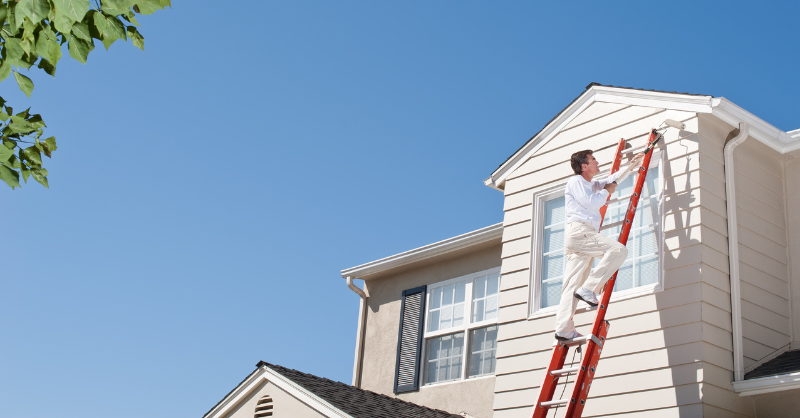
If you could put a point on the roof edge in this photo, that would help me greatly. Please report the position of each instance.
(597, 93)
(249, 384)
(777, 383)
(469, 239)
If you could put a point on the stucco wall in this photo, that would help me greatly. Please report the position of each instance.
(778, 405)
(474, 396)
(284, 405)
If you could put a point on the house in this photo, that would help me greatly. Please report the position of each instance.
(705, 315)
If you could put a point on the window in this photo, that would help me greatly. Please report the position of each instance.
(460, 336)
(641, 270)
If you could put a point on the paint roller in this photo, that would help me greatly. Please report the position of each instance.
(670, 124)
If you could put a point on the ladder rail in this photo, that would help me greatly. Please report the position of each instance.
(583, 381)
(548, 388)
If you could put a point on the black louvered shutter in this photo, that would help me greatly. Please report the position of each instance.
(409, 340)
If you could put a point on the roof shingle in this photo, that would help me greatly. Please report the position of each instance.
(785, 363)
(358, 403)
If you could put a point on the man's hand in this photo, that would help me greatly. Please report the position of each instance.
(636, 159)
(611, 187)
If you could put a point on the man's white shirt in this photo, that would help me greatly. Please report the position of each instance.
(583, 199)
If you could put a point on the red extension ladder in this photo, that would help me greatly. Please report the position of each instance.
(595, 340)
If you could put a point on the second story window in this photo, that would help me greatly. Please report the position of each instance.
(460, 327)
(641, 270)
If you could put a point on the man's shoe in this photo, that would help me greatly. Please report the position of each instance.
(587, 296)
(569, 335)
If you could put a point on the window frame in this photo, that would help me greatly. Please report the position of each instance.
(465, 328)
(537, 234)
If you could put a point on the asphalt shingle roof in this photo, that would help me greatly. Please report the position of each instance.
(356, 402)
(785, 363)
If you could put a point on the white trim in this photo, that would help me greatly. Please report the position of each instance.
(733, 251)
(456, 243)
(296, 391)
(720, 107)
(767, 384)
(465, 328)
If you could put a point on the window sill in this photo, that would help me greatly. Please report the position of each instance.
(583, 307)
(450, 382)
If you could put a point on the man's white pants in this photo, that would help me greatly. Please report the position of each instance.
(582, 244)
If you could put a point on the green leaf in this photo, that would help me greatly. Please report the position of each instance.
(13, 51)
(3, 14)
(97, 23)
(47, 67)
(81, 30)
(74, 10)
(5, 70)
(32, 154)
(11, 177)
(14, 162)
(136, 37)
(35, 10)
(5, 154)
(14, 22)
(79, 49)
(26, 172)
(22, 127)
(114, 30)
(25, 83)
(148, 7)
(116, 7)
(131, 17)
(51, 143)
(36, 121)
(39, 175)
(4, 116)
(48, 47)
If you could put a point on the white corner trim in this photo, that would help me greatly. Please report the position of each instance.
(767, 384)
(469, 239)
(296, 391)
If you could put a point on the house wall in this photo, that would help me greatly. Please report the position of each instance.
(668, 353)
(792, 176)
(284, 404)
(474, 396)
(778, 405)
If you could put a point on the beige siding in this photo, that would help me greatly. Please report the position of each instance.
(652, 363)
(763, 257)
(792, 185)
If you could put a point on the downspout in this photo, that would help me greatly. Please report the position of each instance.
(733, 250)
(362, 319)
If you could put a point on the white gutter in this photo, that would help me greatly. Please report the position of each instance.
(362, 320)
(767, 384)
(733, 251)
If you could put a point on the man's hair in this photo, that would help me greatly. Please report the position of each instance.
(579, 158)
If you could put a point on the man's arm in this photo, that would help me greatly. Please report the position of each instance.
(587, 199)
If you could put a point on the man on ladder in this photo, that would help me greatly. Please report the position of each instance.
(584, 197)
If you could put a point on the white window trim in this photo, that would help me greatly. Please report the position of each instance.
(534, 296)
(466, 328)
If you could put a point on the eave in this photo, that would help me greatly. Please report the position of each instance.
(450, 245)
(720, 107)
(767, 384)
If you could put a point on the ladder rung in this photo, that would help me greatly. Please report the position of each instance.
(563, 372)
(550, 404)
(579, 341)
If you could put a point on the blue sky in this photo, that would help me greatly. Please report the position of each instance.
(207, 192)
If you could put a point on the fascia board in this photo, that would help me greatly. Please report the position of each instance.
(767, 384)
(293, 389)
(422, 253)
(676, 101)
(761, 130)
(497, 178)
